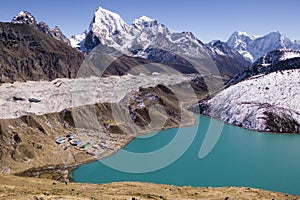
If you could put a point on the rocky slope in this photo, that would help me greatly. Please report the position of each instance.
(28, 188)
(25, 17)
(28, 54)
(263, 103)
(281, 59)
(98, 63)
(253, 47)
(104, 113)
(147, 38)
(225, 56)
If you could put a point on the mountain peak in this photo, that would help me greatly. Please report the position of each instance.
(244, 34)
(275, 33)
(104, 12)
(145, 22)
(24, 17)
(106, 23)
(240, 33)
(145, 19)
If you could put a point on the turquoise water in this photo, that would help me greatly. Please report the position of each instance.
(239, 158)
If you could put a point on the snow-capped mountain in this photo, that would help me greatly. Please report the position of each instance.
(110, 30)
(265, 103)
(150, 39)
(25, 17)
(253, 47)
(268, 101)
(277, 60)
(226, 56)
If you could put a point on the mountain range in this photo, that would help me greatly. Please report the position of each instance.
(149, 43)
(109, 29)
(262, 71)
(154, 67)
(149, 39)
(253, 47)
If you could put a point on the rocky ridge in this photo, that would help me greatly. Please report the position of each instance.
(28, 54)
(25, 17)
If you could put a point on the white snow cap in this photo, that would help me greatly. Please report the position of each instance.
(289, 54)
(103, 12)
(245, 34)
(143, 22)
(107, 22)
(144, 19)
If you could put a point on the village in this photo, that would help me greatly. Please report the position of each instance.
(94, 143)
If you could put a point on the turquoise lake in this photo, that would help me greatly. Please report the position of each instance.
(239, 158)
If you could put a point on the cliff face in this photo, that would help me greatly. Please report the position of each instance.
(28, 54)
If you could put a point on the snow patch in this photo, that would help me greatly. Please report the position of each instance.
(289, 55)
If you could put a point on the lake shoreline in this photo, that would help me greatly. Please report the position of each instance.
(73, 166)
(226, 148)
(66, 170)
(71, 169)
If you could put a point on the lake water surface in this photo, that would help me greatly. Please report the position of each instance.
(240, 158)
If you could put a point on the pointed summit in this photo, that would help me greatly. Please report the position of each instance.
(142, 19)
(106, 23)
(145, 18)
(145, 22)
(239, 37)
(24, 17)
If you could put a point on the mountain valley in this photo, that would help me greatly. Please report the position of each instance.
(115, 82)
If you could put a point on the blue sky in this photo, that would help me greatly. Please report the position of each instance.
(207, 19)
